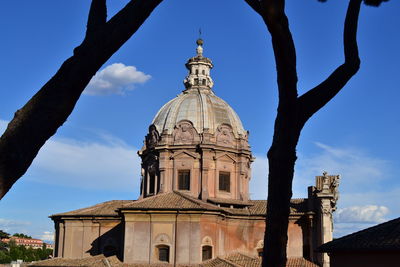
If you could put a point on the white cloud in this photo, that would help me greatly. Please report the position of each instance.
(115, 79)
(362, 214)
(355, 218)
(107, 165)
(355, 167)
(112, 165)
(3, 126)
(259, 178)
(369, 192)
(47, 236)
(13, 226)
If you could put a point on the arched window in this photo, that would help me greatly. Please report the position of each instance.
(163, 253)
(197, 71)
(204, 72)
(206, 252)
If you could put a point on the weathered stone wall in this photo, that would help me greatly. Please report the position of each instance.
(185, 234)
(79, 238)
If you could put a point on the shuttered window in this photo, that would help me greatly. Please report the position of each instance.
(225, 181)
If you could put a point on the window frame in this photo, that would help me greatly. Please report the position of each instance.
(208, 249)
(163, 248)
(225, 185)
(180, 184)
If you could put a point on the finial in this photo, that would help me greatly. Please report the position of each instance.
(199, 48)
(199, 42)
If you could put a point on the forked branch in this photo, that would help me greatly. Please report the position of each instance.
(316, 98)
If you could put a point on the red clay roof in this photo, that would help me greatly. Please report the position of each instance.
(233, 260)
(170, 201)
(180, 201)
(108, 208)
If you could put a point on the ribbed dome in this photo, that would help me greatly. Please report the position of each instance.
(201, 107)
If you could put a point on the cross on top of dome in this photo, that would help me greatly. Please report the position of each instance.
(199, 70)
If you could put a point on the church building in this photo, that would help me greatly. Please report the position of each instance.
(194, 205)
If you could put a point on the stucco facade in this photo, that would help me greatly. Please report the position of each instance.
(194, 203)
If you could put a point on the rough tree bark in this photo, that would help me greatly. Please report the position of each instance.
(49, 108)
(292, 114)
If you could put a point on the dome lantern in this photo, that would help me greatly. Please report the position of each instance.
(199, 70)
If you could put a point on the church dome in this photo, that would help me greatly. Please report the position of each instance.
(204, 109)
(198, 103)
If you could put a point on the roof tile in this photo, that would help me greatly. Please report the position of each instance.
(383, 237)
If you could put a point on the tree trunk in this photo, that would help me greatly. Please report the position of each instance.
(293, 113)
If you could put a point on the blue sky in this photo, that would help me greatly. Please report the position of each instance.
(92, 158)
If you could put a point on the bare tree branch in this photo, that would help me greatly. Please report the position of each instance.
(97, 16)
(255, 5)
(316, 98)
(275, 18)
(50, 107)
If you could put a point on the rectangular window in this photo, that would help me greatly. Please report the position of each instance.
(206, 253)
(184, 180)
(152, 183)
(163, 253)
(225, 181)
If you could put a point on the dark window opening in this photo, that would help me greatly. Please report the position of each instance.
(225, 181)
(163, 253)
(204, 72)
(152, 183)
(184, 180)
(197, 71)
(260, 252)
(206, 253)
(204, 81)
(196, 81)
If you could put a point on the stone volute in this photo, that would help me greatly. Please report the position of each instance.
(196, 142)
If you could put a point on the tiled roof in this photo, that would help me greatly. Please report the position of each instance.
(218, 262)
(95, 261)
(382, 237)
(244, 260)
(170, 201)
(299, 262)
(229, 201)
(233, 260)
(108, 208)
(298, 206)
(180, 201)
